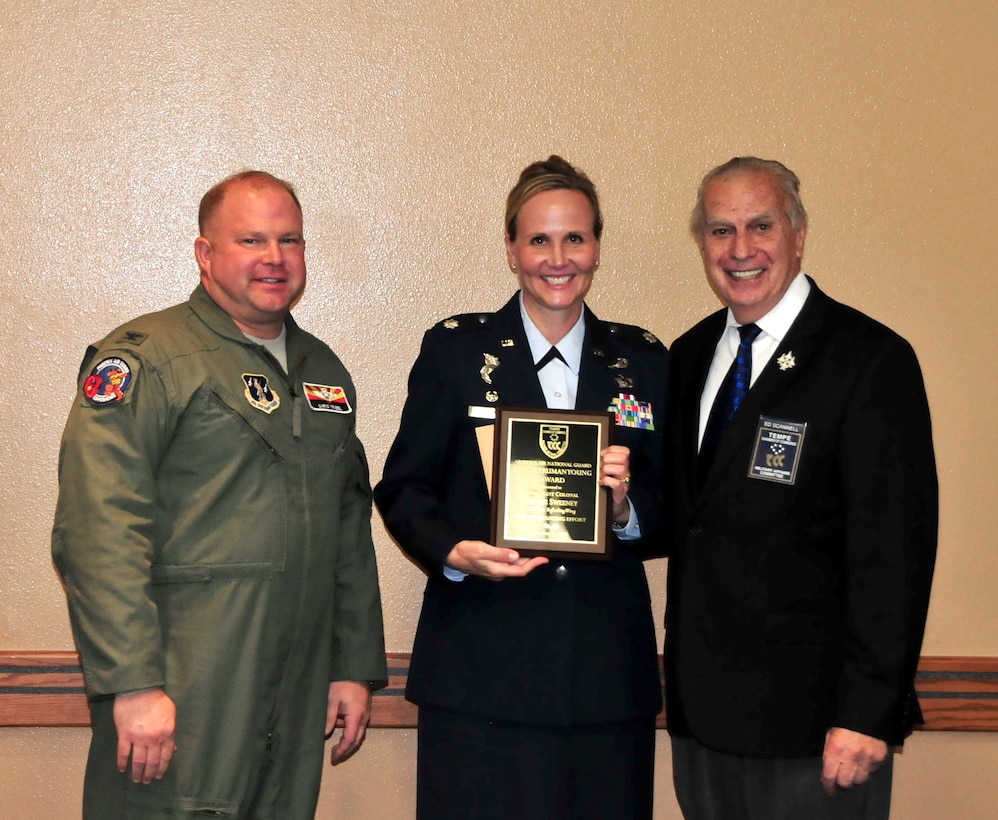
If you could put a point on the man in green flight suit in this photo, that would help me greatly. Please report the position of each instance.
(213, 534)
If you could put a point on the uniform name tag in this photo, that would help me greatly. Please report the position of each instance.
(326, 398)
(777, 450)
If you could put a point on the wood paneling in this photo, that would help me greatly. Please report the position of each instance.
(46, 689)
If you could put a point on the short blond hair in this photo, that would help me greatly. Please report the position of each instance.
(551, 174)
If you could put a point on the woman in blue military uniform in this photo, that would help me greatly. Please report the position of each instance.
(538, 694)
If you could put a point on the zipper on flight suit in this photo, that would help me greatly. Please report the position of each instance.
(289, 382)
(296, 400)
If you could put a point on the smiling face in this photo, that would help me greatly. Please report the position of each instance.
(554, 255)
(252, 256)
(751, 253)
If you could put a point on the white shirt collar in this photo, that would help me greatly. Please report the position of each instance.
(570, 345)
(777, 322)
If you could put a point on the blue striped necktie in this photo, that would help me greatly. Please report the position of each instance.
(730, 396)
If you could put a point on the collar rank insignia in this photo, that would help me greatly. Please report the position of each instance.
(325, 398)
(650, 337)
(259, 394)
(629, 412)
(450, 324)
(108, 381)
(492, 396)
(507, 343)
(786, 361)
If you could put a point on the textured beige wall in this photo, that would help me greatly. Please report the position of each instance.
(404, 124)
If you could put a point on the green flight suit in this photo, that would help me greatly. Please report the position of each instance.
(213, 533)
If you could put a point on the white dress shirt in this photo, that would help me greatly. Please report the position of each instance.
(774, 326)
(559, 379)
(560, 384)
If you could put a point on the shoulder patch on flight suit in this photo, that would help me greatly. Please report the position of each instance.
(108, 382)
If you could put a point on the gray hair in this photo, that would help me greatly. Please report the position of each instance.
(753, 165)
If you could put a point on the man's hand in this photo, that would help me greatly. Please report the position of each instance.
(615, 473)
(146, 723)
(350, 700)
(493, 563)
(849, 758)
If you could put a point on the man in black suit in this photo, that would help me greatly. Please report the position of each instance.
(804, 519)
(537, 680)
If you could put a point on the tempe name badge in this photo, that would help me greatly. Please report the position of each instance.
(776, 454)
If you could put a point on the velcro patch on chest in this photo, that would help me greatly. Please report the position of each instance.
(259, 393)
(326, 398)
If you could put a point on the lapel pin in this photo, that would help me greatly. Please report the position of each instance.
(786, 361)
(492, 396)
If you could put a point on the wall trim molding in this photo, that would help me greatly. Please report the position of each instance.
(40, 688)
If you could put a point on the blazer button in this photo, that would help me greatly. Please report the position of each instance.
(561, 572)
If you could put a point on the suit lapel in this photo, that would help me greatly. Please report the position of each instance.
(686, 389)
(515, 379)
(597, 382)
(786, 366)
(605, 371)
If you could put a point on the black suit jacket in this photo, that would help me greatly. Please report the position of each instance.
(540, 649)
(795, 608)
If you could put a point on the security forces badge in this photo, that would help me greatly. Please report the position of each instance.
(259, 393)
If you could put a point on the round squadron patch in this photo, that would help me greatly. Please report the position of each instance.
(108, 381)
